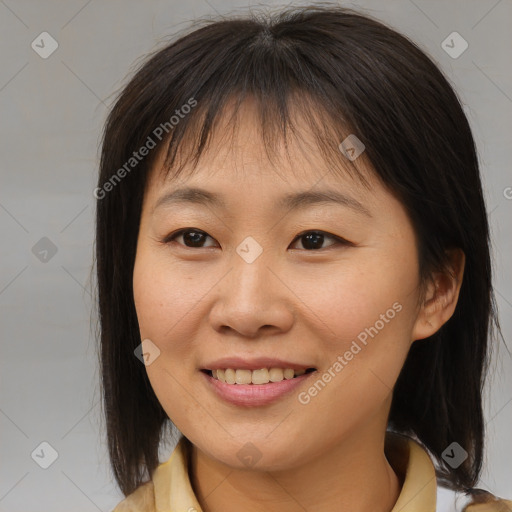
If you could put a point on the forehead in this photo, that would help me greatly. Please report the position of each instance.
(238, 155)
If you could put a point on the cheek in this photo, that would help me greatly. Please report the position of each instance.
(366, 293)
(364, 315)
(164, 298)
(363, 350)
(165, 301)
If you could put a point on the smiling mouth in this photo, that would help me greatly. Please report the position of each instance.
(255, 377)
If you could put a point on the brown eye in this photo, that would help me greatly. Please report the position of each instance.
(191, 237)
(313, 240)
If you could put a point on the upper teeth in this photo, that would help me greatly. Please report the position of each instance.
(261, 376)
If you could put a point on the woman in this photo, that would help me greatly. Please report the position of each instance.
(294, 274)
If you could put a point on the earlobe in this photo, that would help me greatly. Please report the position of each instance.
(441, 296)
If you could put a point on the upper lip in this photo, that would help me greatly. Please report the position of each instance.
(257, 363)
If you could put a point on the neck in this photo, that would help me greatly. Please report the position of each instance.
(353, 475)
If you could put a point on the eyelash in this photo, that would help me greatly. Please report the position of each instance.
(339, 241)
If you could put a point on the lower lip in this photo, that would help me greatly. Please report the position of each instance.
(254, 395)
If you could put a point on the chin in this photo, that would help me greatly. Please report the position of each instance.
(255, 452)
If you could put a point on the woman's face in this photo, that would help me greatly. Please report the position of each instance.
(249, 287)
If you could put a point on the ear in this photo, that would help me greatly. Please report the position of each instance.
(441, 297)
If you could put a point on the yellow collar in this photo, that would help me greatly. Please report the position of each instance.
(418, 476)
(173, 491)
(170, 489)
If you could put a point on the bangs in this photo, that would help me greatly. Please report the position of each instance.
(293, 118)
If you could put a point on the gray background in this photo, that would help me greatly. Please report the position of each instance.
(51, 113)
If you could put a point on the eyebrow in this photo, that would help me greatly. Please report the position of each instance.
(296, 201)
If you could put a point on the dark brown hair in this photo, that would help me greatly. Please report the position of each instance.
(363, 78)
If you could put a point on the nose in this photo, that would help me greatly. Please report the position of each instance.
(251, 301)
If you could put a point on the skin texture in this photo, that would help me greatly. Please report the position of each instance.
(197, 304)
